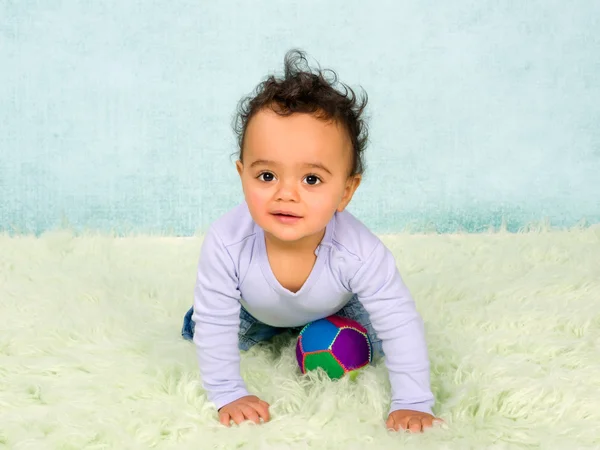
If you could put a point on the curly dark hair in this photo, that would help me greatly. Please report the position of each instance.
(306, 92)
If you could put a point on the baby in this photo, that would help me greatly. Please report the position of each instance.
(291, 253)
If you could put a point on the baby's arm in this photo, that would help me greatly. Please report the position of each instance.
(395, 319)
(216, 314)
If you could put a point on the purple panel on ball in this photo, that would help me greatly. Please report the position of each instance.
(300, 354)
(352, 349)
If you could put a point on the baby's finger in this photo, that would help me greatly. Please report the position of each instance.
(414, 425)
(250, 413)
(264, 404)
(225, 419)
(263, 411)
(237, 416)
(390, 424)
(427, 422)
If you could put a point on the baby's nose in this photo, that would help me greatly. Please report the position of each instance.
(287, 191)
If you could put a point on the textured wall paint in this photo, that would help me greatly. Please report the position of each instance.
(117, 115)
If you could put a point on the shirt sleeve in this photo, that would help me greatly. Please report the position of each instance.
(217, 323)
(396, 321)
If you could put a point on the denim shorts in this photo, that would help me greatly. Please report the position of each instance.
(252, 331)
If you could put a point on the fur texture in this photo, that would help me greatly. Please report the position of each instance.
(91, 355)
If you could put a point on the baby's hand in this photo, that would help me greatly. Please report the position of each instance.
(413, 421)
(245, 408)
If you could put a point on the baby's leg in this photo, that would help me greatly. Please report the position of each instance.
(251, 332)
(187, 330)
(356, 311)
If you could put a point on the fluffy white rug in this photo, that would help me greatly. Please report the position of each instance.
(91, 355)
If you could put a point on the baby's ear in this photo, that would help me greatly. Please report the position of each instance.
(352, 184)
(356, 179)
(240, 167)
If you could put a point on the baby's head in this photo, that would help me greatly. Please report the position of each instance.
(301, 145)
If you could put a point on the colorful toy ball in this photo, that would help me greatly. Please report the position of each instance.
(336, 344)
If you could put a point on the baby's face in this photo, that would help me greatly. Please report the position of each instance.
(295, 173)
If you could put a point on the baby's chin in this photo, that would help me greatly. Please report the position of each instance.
(293, 234)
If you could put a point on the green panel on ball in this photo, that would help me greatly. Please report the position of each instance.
(326, 361)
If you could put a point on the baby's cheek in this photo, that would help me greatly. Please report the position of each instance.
(323, 206)
(257, 201)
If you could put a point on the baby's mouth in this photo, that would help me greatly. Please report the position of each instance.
(286, 217)
(285, 214)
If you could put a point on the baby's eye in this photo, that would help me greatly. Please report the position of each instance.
(266, 176)
(312, 180)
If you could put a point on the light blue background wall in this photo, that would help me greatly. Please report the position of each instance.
(117, 114)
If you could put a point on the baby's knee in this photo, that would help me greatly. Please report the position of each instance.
(376, 351)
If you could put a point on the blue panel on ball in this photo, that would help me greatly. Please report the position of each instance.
(318, 335)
